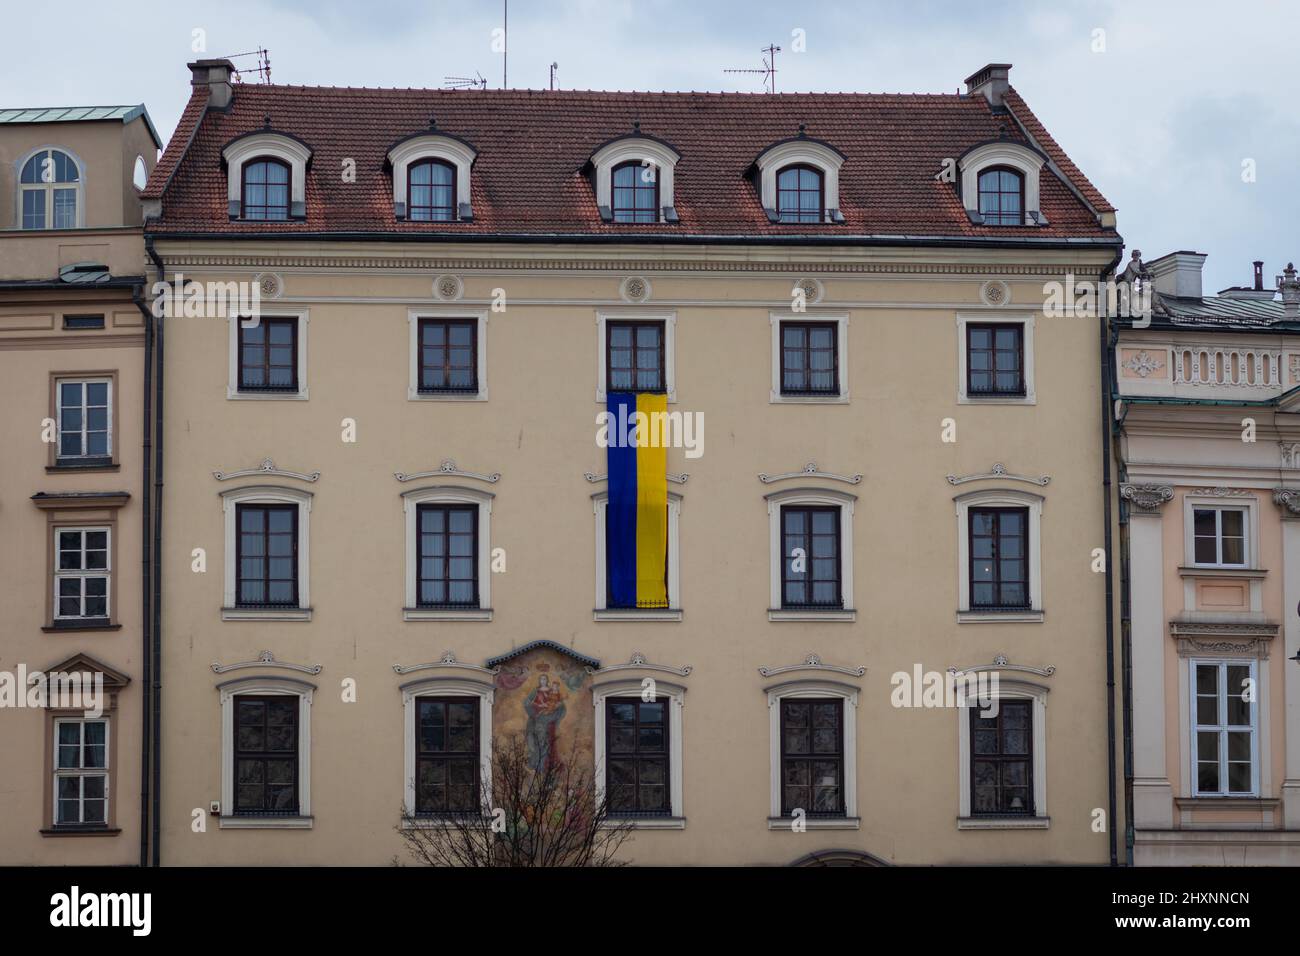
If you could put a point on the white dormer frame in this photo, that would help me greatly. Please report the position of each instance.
(437, 146)
(794, 152)
(1028, 162)
(244, 149)
(643, 150)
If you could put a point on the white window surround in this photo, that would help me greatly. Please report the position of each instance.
(413, 317)
(999, 498)
(452, 494)
(232, 385)
(1028, 162)
(1006, 690)
(800, 151)
(643, 150)
(1256, 751)
(1025, 319)
(812, 688)
(20, 187)
(841, 322)
(675, 695)
(668, 318)
(267, 494)
(810, 496)
(438, 146)
(673, 612)
(1246, 503)
(251, 146)
(263, 686)
(446, 687)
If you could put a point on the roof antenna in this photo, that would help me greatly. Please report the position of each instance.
(263, 68)
(505, 41)
(768, 70)
(475, 82)
(554, 67)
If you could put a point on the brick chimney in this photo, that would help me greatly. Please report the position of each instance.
(215, 75)
(1178, 274)
(990, 82)
(1259, 274)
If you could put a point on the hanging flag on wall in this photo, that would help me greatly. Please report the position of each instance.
(636, 522)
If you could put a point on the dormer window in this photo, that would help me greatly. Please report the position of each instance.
(265, 192)
(799, 194)
(431, 191)
(1002, 197)
(49, 187)
(636, 193)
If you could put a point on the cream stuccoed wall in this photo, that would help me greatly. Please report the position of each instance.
(538, 430)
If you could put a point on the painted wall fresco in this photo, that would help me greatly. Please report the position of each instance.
(545, 697)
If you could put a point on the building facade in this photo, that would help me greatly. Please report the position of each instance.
(73, 482)
(394, 530)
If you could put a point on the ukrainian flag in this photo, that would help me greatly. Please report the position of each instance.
(636, 524)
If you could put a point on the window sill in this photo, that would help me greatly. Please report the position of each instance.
(1000, 617)
(60, 627)
(815, 823)
(266, 614)
(446, 614)
(234, 394)
(777, 398)
(637, 614)
(417, 396)
(438, 823)
(1004, 823)
(1209, 571)
(1228, 801)
(964, 399)
(265, 823)
(811, 614)
(645, 823)
(63, 467)
(79, 831)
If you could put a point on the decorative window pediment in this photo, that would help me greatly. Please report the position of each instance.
(266, 144)
(801, 151)
(655, 160)
(1013, 157)
(443, 151)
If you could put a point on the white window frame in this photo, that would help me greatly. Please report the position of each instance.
(810, 496)
(105, 572)
(999, 498)
(265, 686)
(232, 386)
(667, 317)
(675, 695)
(448, 494)
(49, 188)
(1025, 319)
(1250, 553)
(436, 146)
(480, 316)
(1223, 728)
(446, 687)
(814, 689)
(643, 150)
(58, 414)
(841, 322)
(795, 152)
(275, 146)
(82, 772)
(1022, 159)
(1005, 690)
(267, 494)
(673, 612)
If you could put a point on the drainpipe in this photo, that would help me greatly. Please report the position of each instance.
(1125, 613)
(146, 557)
(156, 650)
(1103, 339)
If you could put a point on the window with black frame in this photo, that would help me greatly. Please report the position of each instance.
(800, 194)
(995, 359)
(635, 193)
(1002, 197)
(448, 356)
(999, 558)
(266, 560)
(1002, 759)
(447, 538)
(809, 358)
(268, 355)
(636, 757)
(812, 757)
(634, 356)
(265, 189)
(266, 755)
(810, 557)
(447, 759)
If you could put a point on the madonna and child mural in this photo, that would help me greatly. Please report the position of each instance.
(543, 696)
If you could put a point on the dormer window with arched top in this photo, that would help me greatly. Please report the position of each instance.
(266, 176)
(431, 177)
(49, 191)
(633, 176)
(799, 181)
(999, 184)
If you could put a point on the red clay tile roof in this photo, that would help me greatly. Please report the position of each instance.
(532, 145)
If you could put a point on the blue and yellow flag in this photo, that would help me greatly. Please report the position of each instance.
(636, 524)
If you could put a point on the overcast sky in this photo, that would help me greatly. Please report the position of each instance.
(1162, 118)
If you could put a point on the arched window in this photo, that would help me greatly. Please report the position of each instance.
(799, 194)
(49, 184)
(266, 189)
(1002, 196)
(636, 193)
(431, 191)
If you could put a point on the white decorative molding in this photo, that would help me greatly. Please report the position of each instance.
(995, 292)
(1146, 497)
(813, 662)
(1144, 363)
(1000, 664)
(448, 287)
(999, 472)
(674, 478)
(809, 470)
(1220, 366)
(269, 285)
(267, 467)
(812, 289)
(635, 289)
(1003, 152)
(265, 659)
(448, 467)
(1290, 453)
(1219, 491)
(639, 661)
(432, 145)
(1289, 499)
(800, 151)
(448, 659)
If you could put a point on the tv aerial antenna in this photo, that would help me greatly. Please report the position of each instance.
(475, 82)
(262, 70)
(769, 67)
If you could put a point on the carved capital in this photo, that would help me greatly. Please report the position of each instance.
(1289, 501)
(1146, 498)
